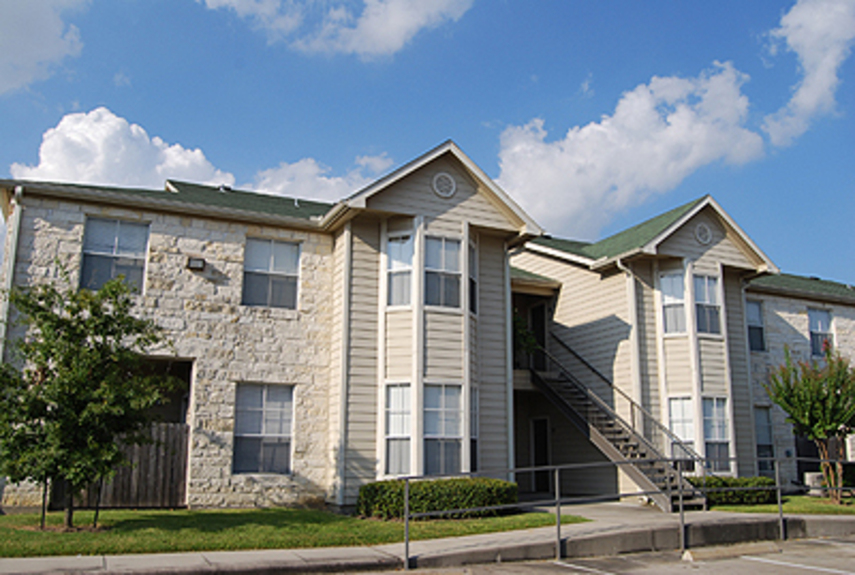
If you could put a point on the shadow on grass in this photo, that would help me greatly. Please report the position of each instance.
(224, 520)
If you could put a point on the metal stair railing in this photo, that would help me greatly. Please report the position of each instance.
(636, 413)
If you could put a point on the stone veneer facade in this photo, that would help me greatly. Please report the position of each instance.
(228, 343)
(786, 327)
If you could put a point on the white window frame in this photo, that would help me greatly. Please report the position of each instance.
(755, 323)
(815, 331)
(707, 302)
(716, 420)
(395, 267)
(272, 274)
(681, 422)
(765, 450)
(265, 412)
(448, 418)
(444, 272)
(401, 432)
(673, 301)
(136, 259)
(473, 283)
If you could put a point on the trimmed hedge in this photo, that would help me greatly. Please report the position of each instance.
(753, 497)
(385, 499)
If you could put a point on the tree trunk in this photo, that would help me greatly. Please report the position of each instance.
(832, 473)
(98, 502)
(69, 506)
(44, 501)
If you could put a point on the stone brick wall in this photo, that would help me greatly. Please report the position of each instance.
(786, 326)
(227, 342)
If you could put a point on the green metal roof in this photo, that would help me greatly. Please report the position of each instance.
(621, 242)
(520, 274)
(247, 201)
(808, 286)
(196, 194)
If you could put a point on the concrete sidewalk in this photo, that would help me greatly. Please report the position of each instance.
(615, 528)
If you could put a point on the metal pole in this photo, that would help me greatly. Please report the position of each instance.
(557, 514)
(406, 524)
(781, 532)
(682, 515)
(704, 476)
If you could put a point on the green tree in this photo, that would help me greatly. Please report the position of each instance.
(83, 391)
(819, 399)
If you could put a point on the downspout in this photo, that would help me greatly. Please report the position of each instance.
(634, 342)
(509, 363)
(12, 233)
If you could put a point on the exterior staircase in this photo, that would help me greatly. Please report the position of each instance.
(630, 444)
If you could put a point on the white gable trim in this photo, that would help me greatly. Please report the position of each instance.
(652, 246)
(559, 254)
(359, 200)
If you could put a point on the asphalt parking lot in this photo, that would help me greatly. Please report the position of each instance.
(832, 555)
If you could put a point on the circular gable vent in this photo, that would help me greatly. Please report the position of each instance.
(703, 234)
(444, 185)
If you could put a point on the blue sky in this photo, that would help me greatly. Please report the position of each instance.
(593, 115)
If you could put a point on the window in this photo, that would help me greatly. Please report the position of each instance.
(442, 272)
(756, 333)
(674, 318)
(399, 255)
(113, 248)
(707, 309)
(715, 433)
(765, 446)
(681, 425)
(442, 428)
(473, 430)
(820, 330)
(263, 428)
(270, 273)
(473, 278)
(398, 429)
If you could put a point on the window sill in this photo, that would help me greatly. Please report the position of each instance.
(398, 308)
(712, 336)
(444, 309)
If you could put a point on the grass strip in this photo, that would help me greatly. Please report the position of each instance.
(797, 505)
(171, 531)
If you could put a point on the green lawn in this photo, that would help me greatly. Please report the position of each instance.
(162, 531)
(797, 504)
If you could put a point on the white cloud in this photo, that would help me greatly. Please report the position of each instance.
(820, 32)
(659, 134)
(101, 148)
(34, 40)
(381, 29)
(376, 164)
(278, 18)
(307, 178)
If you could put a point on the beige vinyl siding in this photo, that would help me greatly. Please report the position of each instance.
(724, 248)
(440, 226)
(713, 363)
(399, 346)
(739, 375)
(414, 195)
(646, 311)
(336, 340)
(492, 384)
(678, 367)
(360, 465)
(591, 316)
(443, 346)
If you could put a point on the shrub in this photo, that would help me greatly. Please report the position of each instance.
(385, 499)
(752, 497)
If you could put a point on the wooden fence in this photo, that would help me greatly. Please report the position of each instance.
(156, 476)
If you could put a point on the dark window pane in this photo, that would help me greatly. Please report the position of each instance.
(247, 455)
(97, 270)
(473, 296)
(451, 457)
(276, 455)
(433, 288)
(755, 338)
(433, 457)
(255, 288)
(452, 291)
(283, 292)
(131, 270)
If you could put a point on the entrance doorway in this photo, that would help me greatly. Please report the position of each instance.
(540, 453)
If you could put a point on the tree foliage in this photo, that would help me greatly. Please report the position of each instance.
(82, 386)
(819, 399)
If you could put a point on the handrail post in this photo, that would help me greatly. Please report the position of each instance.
(682, 514)
(558, 514)
(781, 526)
(406, 524)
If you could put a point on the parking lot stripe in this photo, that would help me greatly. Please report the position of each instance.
(581, 568)
(797, 565)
